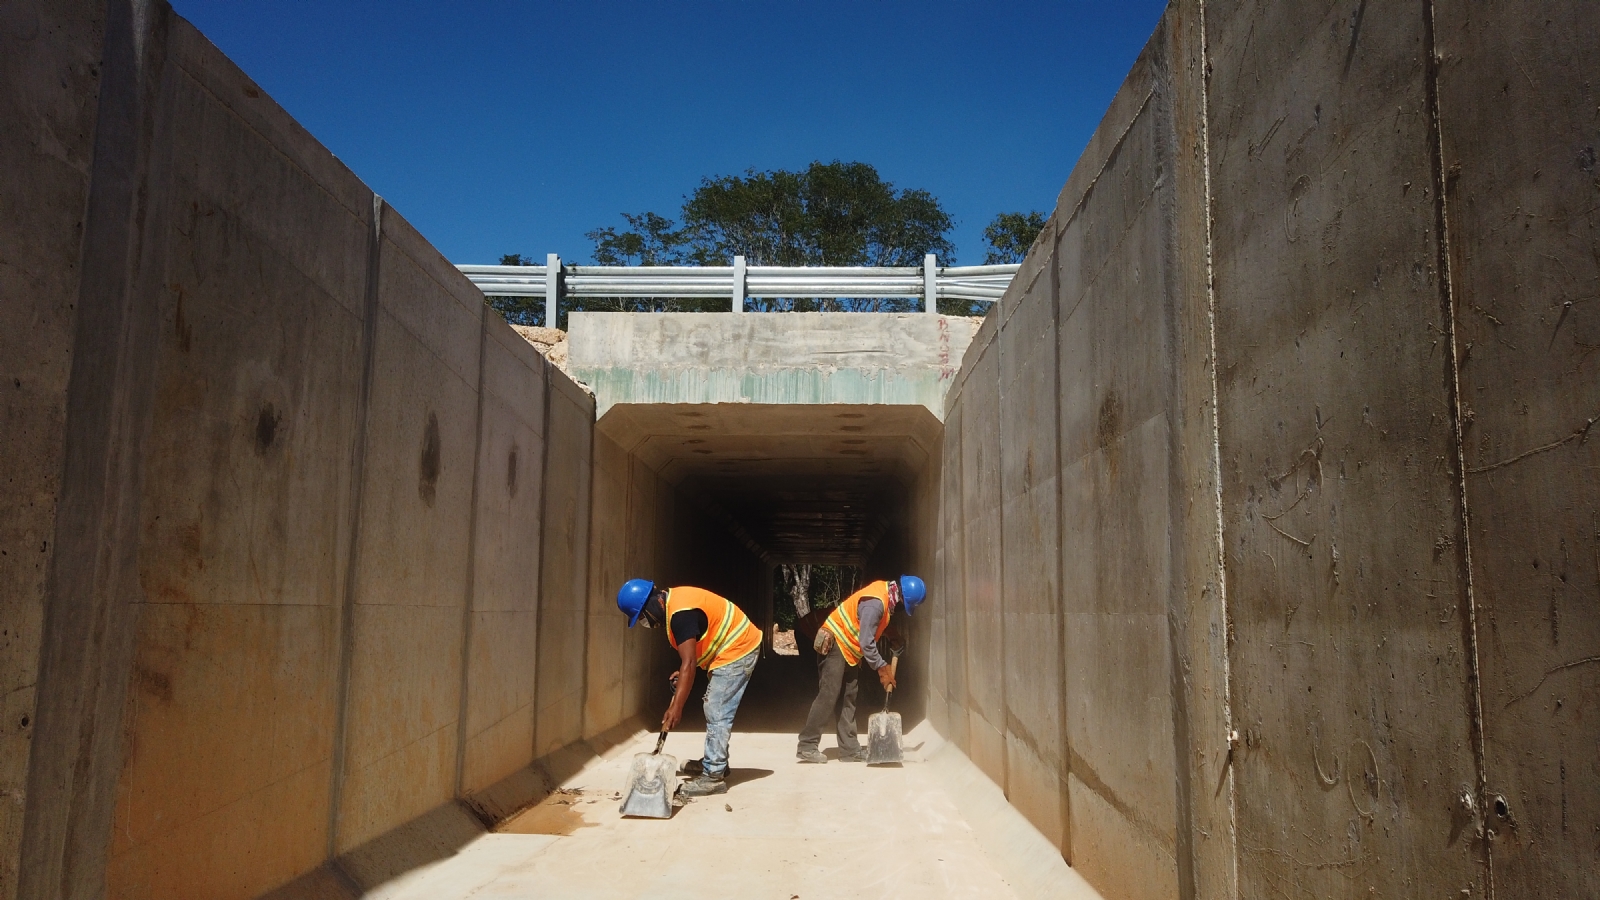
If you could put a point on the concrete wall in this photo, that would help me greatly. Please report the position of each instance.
(49, 59)
(1075, 503)
(806, 358)
(1519, 132)
(1268, 479)
(324, 528)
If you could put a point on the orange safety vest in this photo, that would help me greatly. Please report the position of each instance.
(729, 635)
(844, 623)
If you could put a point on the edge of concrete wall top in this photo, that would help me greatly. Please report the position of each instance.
(812, 358)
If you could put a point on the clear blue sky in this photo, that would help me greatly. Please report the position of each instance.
(500, 127)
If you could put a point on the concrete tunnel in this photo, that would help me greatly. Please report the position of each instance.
(1258, 516)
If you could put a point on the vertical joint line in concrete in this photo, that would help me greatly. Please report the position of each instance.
(90, 606)
(1000, 542)
(1447, 305)
(1220, 549)
(588, 553)
(358, 464)
(1064, 767)
(1168, 201)
(966, 594)
(472, 562)
(544, 535)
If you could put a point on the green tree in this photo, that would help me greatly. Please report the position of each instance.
(650, 240)
(654, 241)
(830, 214)
(1010, 235)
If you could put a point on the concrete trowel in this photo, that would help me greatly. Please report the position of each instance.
(883, 729)
(652, 779)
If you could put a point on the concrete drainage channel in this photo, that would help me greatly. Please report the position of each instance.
(1257, 516)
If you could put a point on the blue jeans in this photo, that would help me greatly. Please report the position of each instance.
(722, 701)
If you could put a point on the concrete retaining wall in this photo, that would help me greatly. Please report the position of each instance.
(1299, 380)
(326, 563)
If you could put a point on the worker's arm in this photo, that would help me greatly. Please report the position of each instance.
(683, 683)
(870, 612)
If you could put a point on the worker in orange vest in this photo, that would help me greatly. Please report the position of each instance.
(848, 637)
(710, 632)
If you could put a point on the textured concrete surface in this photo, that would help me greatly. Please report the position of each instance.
(1519, 134)
(308, 498)
(804, 358)
(1261, 526)
(1320, 292)
(48, 57)
(930, 829)
(1341, 510)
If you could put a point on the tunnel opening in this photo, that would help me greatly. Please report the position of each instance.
(774, 485)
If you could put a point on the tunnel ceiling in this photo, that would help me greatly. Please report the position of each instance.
(805, 483)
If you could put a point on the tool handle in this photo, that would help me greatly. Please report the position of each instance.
(660, 742)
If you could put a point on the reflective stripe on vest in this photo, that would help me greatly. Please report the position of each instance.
(729, 635)
(844, 623)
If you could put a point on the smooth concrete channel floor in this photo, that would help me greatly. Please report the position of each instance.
(784, 830)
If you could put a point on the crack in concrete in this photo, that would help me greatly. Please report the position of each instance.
(1447, 301)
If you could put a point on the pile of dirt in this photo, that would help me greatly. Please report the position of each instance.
(550, 342)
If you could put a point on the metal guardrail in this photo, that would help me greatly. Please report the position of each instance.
(930, 281)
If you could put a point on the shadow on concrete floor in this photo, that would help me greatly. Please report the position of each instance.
(780, 695)
(737, 776)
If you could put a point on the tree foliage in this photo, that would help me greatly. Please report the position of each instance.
(800, 588)
(1010, 235)
(652, 241)
(829, 214)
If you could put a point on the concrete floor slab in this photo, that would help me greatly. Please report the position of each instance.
(784, 830)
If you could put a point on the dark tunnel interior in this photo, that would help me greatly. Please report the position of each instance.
(788, 484)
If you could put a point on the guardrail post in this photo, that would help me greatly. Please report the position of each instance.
(552, 288)
(930, 284)
(738, 283)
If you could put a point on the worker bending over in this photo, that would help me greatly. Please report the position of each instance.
(849, 635)
(708, 631)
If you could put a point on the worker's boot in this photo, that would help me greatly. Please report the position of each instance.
(810, 756)
(860, 755)
(704, 785)
(692, 767)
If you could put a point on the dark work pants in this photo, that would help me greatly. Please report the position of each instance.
(833, 679)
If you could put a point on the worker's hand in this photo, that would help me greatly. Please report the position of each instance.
(671, 719)
(673, 680)
(886, 678)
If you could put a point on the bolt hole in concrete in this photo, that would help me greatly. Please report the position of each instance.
(1502, 809)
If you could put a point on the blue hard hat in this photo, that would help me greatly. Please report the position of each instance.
(912, 592)
(633, 596)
